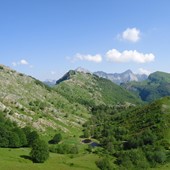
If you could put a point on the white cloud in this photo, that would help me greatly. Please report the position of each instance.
(21, 62)
(129, 56)
(131, 34)
(144, 71)
(93, 58)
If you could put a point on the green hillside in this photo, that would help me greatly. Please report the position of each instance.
(156, 86)
(88, 89)
(135, 138)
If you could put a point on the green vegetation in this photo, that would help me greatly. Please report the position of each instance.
(135, 137)
(56, 139)
(10, 135)
(17, 159)
(64, 149)
(40, 151)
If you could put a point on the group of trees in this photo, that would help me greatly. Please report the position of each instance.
(11, 136)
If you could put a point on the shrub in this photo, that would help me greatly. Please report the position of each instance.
(31, 137)
(64, 149)
(104, 164)
(132, 158)
(56, 139)
(40, 151)
(14, 141)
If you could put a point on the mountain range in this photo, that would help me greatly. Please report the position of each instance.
(118, 78)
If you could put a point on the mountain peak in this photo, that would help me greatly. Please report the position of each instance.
(82, 70)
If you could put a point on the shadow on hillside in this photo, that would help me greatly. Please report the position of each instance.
(26, 157)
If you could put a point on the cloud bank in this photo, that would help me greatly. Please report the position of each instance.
(129, 56)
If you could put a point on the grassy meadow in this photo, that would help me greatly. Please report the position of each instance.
(17, 159)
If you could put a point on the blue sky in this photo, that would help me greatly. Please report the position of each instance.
(46, 38)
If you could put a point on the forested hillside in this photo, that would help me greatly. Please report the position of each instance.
(135, 137)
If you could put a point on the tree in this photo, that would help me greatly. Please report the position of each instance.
(14, 141)
(4, 135)
(21, 135)
(32, 136)
(40, 151)
(56, 139)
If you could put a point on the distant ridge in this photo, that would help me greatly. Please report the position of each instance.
(156, 86)
(124, 77)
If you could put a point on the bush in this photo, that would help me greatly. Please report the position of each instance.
(40, 151)
(14, 141)
(64, 149)
(104, 164)
(56, 139)
(22, 136)
(132, 158)
(31, 137)
(156, 155)
(160, 156)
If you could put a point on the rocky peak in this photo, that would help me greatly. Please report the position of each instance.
(82, 70)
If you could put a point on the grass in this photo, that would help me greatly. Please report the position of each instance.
(15, 159)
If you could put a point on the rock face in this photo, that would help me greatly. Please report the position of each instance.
(124, 77)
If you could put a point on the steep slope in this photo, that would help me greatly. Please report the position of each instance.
(157, 85)
(124, 77)
(89, 89)
(28, 101)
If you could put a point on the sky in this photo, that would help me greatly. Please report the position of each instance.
(47, 38)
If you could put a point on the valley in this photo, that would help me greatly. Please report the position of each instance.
(132, 131)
